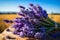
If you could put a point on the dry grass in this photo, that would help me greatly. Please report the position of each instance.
(55, 18)
(4, 25)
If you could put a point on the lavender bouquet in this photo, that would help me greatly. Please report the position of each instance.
(30, 22)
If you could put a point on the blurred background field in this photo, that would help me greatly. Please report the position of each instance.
(10, 16)
(55, 18)
(3, 25)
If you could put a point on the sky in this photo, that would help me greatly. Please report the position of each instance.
(12, 5)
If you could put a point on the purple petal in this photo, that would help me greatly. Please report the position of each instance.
(22, 7)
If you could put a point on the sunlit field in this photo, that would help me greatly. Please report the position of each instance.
(3, 17)
(4, 25)
(55, 18)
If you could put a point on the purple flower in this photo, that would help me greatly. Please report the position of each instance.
(7, 21)
(22, 7)
(17, 20)
(38, 8)
(14, 32)
(22, 34)
(36, 21)
(31, 4)
(45, 15)
(38, 35)
(30, 34)
(26, 26)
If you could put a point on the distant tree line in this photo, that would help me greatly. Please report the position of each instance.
(55, 13)
(7, 12)
(16, 12)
